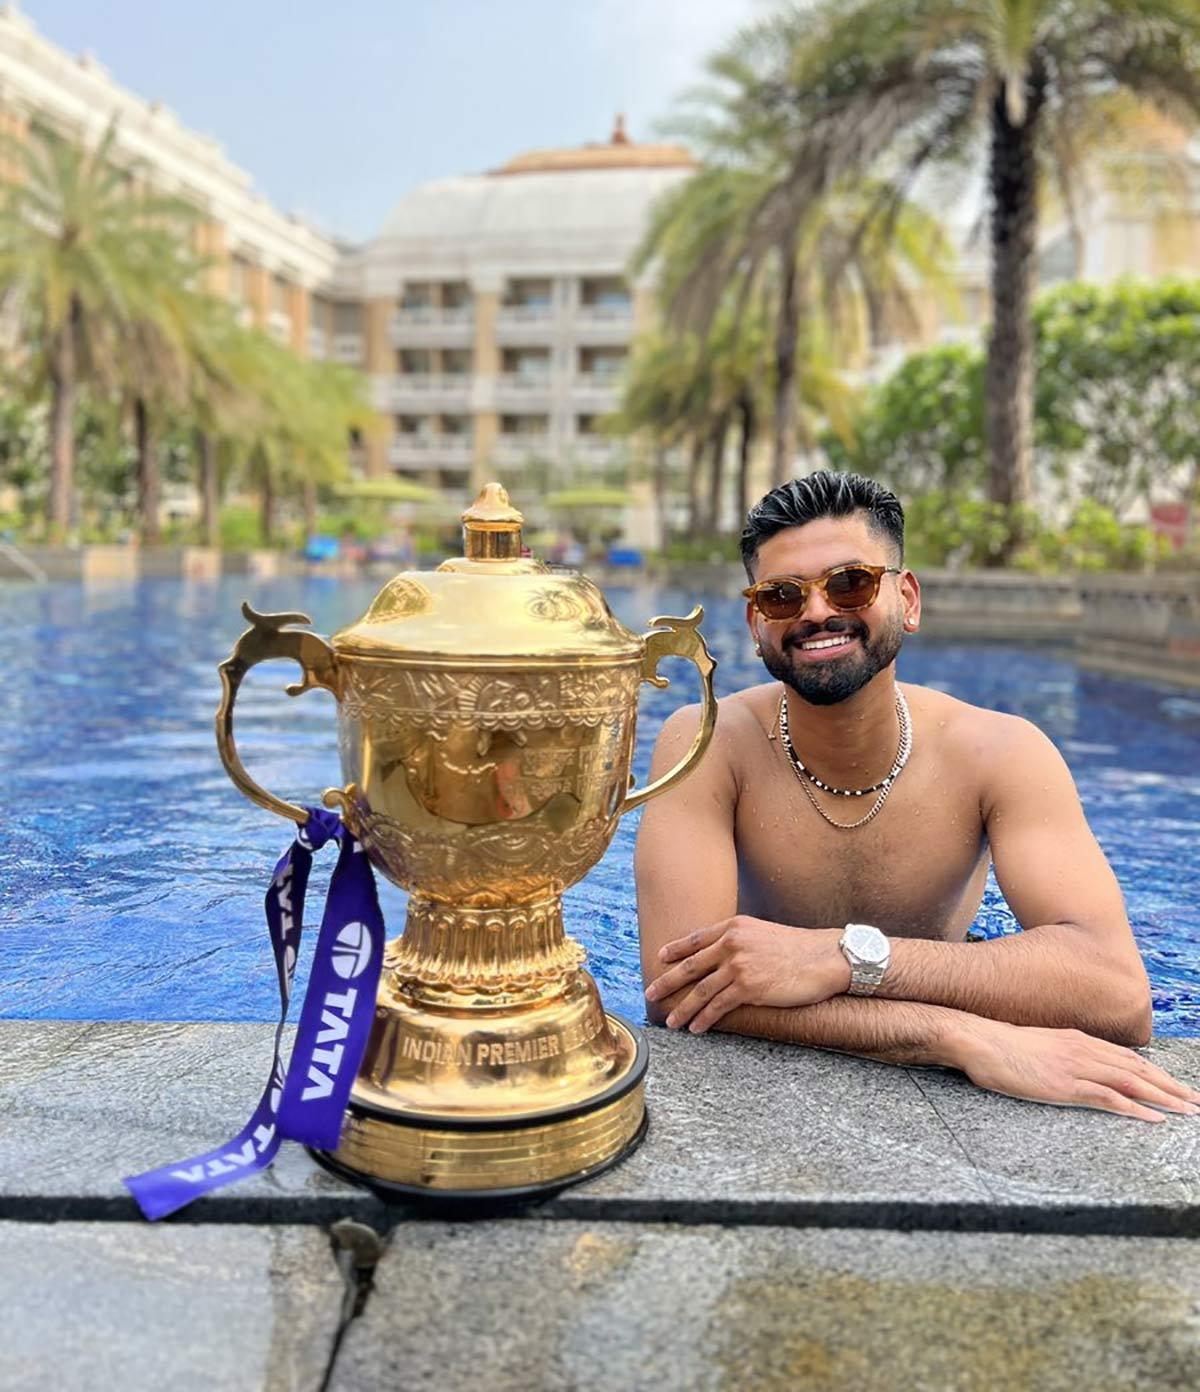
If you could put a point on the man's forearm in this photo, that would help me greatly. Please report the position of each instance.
(1051, 976)
(890, 1031)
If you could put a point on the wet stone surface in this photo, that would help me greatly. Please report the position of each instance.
(620, 1307)
(741, 1130)
(191, 1308)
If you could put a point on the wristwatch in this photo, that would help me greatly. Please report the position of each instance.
(868, 952)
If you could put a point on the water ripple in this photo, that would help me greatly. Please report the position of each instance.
(132, 872)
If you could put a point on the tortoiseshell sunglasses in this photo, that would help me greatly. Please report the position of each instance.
(844, 587)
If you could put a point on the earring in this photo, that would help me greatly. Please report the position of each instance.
(758, 650)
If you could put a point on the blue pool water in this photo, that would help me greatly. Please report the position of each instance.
(132, 873)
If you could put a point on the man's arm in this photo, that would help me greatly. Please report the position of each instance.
(1077, 965)
(686, 870)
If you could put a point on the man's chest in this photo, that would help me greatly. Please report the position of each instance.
(913, 869)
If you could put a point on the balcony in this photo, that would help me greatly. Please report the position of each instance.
(424, 391)
(318, 344)
(428, 326)
(523, 391)
(520, 324)
(348, 348)
(605, 316)
(514, 447)
(596, 391)
(593, 450)
(417, 453)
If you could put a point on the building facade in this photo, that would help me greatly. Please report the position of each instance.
(275, 266)
(498, 313)
(493, 313)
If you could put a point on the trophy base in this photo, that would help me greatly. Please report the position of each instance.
(464, 1160)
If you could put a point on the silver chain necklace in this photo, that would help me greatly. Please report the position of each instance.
(804, 775)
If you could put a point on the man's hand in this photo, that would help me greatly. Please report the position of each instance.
(748, 961)
(1067, 1067)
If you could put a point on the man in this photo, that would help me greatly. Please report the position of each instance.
(814, 879)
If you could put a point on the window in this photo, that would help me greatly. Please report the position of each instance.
(456, 294)
(347, 318)
(605, 292)
(528, 364)
(604, 363)
(412, 361)
(417, 295)
(529, 294)
(239, 279)
(525, 426)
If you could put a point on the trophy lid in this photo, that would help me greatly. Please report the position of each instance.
(492, 603)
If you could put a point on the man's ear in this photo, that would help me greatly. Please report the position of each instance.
(910, 594)
(752, 621)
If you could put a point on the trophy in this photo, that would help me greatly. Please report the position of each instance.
(486, 715)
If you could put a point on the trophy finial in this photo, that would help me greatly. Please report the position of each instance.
(492, 526)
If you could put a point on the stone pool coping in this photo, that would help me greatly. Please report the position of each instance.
(795, 1221)
(742, 1132)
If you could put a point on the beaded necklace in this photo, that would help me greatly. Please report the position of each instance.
(883, 787)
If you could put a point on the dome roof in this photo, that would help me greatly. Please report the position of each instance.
(587, 190)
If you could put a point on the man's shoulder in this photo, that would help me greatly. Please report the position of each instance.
(972, 732)
(737, 713)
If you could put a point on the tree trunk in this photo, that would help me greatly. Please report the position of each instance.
(1012, 177)
(745, 406)
(266, 504)
(695, 456)
(660, 497)
(786, 334)
(716, 477)
(63, 390)
(149, 482)
(210, 490)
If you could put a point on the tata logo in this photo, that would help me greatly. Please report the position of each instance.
(352, 951)
(351, 955)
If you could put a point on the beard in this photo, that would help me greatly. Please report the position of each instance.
(827, 683)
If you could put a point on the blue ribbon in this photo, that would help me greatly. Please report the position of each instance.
(309, 1102)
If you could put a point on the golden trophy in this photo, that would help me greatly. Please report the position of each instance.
(486, 715)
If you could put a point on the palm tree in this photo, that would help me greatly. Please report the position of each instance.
(77, 236)
(169, 356)
(839, 269)
(292, 422)
(895, 86)
(691, 390)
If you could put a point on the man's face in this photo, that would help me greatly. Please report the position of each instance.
(869, 638)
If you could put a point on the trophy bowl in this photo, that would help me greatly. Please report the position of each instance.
(486, 719)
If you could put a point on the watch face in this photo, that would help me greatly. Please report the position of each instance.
(866, 942)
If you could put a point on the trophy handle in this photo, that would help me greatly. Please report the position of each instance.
(267, 638)
(680, 638)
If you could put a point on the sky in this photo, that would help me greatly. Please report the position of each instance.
(336, 111)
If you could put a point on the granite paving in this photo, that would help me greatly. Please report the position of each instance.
(142, 1309)
(741, 1131)
(609, 1307)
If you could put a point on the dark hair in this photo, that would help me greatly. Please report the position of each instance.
(823, 494)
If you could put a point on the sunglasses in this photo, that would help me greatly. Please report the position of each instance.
(843, 587)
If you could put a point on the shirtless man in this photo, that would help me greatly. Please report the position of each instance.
(749, 872)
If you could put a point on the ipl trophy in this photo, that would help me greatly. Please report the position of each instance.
(486, 715)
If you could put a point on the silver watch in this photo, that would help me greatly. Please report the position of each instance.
(868, 952)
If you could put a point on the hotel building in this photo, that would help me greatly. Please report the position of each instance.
(493, 313)
(497, 313)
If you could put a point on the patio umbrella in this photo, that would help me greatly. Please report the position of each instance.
(589, 498)
(387, 490)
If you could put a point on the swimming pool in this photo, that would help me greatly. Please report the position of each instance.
(132, 872)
